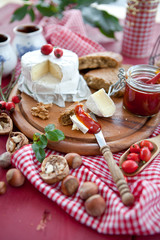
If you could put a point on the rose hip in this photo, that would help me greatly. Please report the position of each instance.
(16, 99)
(46, 49)
(129, 166)
(58, 52)
(134, 157)
(10, 106)
(145, 154)
(135, 148)
(2, 104)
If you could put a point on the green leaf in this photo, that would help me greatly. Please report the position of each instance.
(19, 13)
(36, 137)
(107, 23)
(44, 140)
(55, 135)
(49, 127)
(39, 152)
(32, 14)
(47, 9)
(84, 3)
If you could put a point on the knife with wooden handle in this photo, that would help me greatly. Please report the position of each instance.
(117, 175)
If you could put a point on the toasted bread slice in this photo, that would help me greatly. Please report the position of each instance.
(100, 60)
(104, 77)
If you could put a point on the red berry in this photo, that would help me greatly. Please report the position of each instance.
(134, 157)
(16, 99)
(146, 143)
(58, 52)
(129, 166)
(46, 49)
(135, 148)
(10, 106)
(2, 104)
(145, 154)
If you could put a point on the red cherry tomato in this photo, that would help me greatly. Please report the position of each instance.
(146, 143)
(145, 154)
(135, 148)
(129, 166)
(134, 157)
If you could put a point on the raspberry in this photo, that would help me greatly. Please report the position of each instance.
(58, 52)
(46, 49)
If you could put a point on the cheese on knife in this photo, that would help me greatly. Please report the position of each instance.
(78, 125)
(101, 104)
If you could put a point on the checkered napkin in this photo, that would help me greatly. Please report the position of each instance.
(138, 29)
(140, 219)
(69, 33)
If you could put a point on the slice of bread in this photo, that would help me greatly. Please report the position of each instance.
(104, 77)
(100, 60)
(64, 117)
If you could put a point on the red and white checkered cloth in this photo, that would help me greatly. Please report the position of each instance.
(69, 33)
(140, 219)
(138, 29)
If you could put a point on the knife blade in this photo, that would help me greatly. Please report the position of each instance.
(117, 175)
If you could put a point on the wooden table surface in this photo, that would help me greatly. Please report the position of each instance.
(22, 209)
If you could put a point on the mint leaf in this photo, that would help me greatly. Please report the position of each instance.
(43, 140)
(39, 152)
(49, 127)
(55, 135)
(19, 14)
(36, 137)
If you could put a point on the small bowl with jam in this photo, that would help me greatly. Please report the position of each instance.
(142, 90)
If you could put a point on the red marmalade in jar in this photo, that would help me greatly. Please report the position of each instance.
(141, 98)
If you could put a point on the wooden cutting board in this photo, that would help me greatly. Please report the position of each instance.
(120, 131)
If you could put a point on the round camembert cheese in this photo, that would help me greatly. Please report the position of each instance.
(49, 79)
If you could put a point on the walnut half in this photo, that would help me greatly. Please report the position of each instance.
(54, 169)
(15, 141)
(41, 110)
(6, 124)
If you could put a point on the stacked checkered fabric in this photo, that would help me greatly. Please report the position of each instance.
(141, 218)
(139, 26)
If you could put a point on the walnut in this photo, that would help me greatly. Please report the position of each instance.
(54, 169)
(6, 124)
(15, 141)
(41, 110)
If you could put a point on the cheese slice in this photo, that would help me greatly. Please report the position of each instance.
(101, 104)
(78, 125)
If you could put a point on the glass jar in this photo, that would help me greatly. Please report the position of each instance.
(141, 98)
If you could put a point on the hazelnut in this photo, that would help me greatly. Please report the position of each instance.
(14, 177)
(87, 190)
(69, 185)
(3, 187)
(95, 205)
(5, 159)
(74, 160)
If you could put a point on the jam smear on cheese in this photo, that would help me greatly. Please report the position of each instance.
(93, 126)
